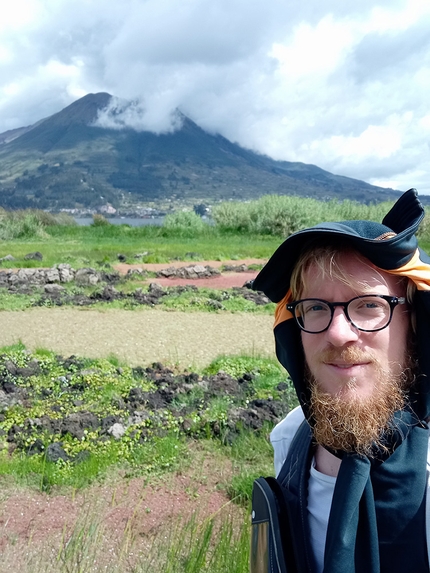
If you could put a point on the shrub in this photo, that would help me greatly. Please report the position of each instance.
(20, 225)
(184, 224)
(100, 221)
(269, 215)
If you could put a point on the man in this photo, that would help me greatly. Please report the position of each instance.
(352, 329)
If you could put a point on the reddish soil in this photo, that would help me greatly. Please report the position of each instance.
(222, 281)
(128, 515)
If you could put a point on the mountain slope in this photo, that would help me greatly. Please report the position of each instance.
(65, 161)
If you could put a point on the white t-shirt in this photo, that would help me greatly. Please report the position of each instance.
(320, 486)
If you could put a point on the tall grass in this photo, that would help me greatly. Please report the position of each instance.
(217, 544)
(184, 224)
(283, 215)
(29, 223)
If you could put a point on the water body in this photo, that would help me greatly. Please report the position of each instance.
(132, 221)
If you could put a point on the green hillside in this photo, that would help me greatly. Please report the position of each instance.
(64, 162)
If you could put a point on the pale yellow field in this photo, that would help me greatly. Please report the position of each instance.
(139, 337)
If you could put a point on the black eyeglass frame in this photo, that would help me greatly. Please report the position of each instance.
(393, 301)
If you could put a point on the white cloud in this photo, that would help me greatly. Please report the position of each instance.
(338, 84)
(120, 114)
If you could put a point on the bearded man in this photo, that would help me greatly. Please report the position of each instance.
(352, 329)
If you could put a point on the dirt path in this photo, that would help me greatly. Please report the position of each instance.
(139, 337)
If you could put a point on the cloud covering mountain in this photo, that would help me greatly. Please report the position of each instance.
(338, 84)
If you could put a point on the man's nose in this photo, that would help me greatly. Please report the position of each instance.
(341, 330)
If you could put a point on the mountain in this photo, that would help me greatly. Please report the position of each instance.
(66, 161)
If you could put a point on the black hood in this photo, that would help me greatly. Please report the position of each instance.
(391, 245)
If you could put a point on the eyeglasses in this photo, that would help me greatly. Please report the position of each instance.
(369, 312)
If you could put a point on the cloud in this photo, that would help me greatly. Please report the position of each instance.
(341, 85)
(120, 114)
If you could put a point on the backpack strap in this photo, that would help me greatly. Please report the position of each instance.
(293, 479)
(280, 536)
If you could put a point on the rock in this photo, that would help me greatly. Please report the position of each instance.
(111, 277)
(136, 273)
(169, 272)
(36, 256)
(235, 268)
(10, 387)
(37, 447)
(52, 275)
(32, 369)
(75, 424)
(190, 272)
(31, 276)
(108, 421)
(11, 367)
(67, 274)
(121, 258)
(138, 417)
(110, 293)
(156, 289)
(116, 431)
(53, 289)
(8, 258)
(55, 452)
(87, 276)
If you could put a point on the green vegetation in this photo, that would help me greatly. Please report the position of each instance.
(240, 230)
(72, 404)
(44, 397)
(282, 215)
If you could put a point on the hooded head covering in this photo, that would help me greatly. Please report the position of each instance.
(374, 525)
(391, 246)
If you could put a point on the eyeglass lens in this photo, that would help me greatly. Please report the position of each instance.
(366, 313)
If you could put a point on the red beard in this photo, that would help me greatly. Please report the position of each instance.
(348, 421)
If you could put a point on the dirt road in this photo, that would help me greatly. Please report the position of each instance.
(139, 337)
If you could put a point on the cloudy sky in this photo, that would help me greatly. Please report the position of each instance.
(344, 85)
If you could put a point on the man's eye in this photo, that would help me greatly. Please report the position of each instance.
(370, 305)
(315, 308)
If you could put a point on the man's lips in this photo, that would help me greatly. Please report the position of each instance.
(346, 365)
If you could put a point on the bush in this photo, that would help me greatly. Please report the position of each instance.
(30, 223)
(20, 225)
(269, 215)
(184, 224)
(100, 221)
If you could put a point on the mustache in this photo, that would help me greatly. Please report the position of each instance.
(349, 354)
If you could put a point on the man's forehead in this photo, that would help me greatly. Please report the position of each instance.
(350, 269)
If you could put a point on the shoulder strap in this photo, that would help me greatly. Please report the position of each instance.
(299, 444)
(293, 479)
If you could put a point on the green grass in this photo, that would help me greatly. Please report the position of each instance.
(151, 446)
(84, 246)
(252, 455)
(241, 230)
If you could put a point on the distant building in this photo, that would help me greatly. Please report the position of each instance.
(107, 209)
